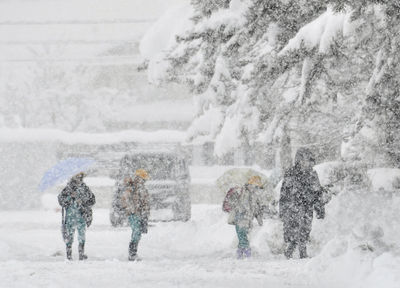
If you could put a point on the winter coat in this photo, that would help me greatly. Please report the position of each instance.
(136, 201)
(78, 194)
(245, 205)
(301, 193)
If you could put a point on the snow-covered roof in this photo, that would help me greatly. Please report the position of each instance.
(50, 135)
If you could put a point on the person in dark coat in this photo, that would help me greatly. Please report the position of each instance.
(77, 200)
(301, 194)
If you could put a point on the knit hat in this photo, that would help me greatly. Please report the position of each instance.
(142, 174)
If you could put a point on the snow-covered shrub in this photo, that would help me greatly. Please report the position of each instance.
(358, 238)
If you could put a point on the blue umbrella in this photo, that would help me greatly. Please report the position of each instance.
(64, 170)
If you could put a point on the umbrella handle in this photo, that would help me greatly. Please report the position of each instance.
(62, 216)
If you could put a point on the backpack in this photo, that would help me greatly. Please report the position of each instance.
(231, 199)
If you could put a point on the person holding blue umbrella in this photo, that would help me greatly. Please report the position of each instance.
(77, 200)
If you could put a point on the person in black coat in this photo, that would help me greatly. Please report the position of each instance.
(301, 194)
(77, 200)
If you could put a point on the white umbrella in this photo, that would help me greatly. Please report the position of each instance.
(237, 177)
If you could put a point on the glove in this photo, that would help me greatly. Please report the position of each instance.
(73, 195)
(144, 227)
(259, 220)
(321, 214)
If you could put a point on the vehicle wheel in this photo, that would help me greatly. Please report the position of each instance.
(182, 210)
(187, 211)
(116, 219)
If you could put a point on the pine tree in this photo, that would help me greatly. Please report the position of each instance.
(302, 96)
(383, 95)
(205, 8)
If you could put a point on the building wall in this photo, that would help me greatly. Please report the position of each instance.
(22, 167)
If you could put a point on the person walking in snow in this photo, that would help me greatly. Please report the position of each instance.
(77, 201)
(301, 194)
(244, 204)
(135, 201)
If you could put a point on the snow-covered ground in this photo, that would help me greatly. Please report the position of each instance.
(193, 254)
(197, 253)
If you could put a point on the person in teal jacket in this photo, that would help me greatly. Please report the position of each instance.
(137, 207)
(77, 200)
(244, 204)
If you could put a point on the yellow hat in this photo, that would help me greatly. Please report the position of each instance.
(142, 174)
(255, 180)
(79, 175)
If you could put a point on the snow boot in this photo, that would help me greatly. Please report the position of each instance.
(133, 251)
(247, 252)
(81, 250)
(289, 250)
(303, 251)
(241, 253)
(69, 252)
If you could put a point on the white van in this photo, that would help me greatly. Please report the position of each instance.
(168, 185)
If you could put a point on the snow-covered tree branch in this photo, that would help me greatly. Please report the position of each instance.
(260, 67)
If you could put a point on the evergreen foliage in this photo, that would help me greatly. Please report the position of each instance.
(252, 62)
